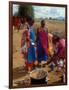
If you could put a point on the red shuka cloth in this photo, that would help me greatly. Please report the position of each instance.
(44, 40)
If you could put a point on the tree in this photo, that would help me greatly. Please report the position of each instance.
(26, 10)
(50, 18)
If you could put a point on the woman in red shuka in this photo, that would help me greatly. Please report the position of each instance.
(42, 44)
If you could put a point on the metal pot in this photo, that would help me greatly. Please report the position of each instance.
(37, 80)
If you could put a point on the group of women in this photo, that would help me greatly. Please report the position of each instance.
(37, 48)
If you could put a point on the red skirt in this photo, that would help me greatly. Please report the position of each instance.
(29, 65)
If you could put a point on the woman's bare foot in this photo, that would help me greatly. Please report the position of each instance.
(29, 69)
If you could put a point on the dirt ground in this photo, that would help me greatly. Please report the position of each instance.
(18, 62)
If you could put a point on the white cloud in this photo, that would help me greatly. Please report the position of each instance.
(48, 11)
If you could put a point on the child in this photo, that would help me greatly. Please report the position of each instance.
(23, 23)
(42, 44)
(24, 40)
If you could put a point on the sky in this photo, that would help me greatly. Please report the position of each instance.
(45, 11)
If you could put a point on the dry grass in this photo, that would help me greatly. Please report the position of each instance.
(53, 26)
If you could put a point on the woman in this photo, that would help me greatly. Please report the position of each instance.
(42, 44)
(59, 52)
(50, 45)
(31, 55)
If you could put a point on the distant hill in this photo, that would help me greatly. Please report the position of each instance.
(60, 18)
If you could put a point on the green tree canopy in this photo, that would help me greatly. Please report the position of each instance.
(26, 10)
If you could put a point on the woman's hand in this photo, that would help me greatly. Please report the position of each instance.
(28, 44)
(36, 63)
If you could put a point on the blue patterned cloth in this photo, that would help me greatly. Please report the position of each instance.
(41, 53)
(31, 54)
(31, 49)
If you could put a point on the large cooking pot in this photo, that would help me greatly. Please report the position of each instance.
(38, 76)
